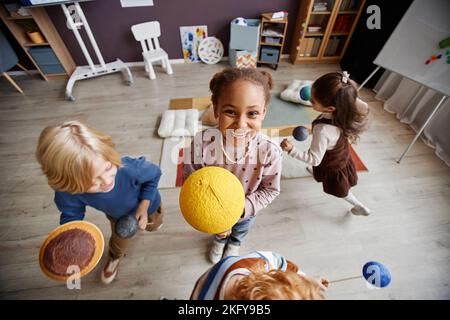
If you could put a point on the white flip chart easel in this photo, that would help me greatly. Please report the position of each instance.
(414, 40)
(80, 73)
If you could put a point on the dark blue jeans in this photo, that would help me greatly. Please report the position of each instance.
(238, 232)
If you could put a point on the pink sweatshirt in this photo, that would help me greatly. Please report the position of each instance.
(259, 170)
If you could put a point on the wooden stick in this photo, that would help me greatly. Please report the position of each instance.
(344, 279)
(24, 69)
(12, 82)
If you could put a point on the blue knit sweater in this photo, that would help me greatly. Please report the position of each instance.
(136, 180)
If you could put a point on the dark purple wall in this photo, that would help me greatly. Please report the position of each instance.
(111, 24)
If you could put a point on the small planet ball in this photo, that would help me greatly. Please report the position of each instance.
(127, 226)
(212, 200)
(300, 133)
(305, 92)
(376, 274)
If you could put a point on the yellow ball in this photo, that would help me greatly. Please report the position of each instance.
(212, 199)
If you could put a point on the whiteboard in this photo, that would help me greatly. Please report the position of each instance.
(415, 39)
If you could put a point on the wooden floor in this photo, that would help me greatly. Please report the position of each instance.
(408, 230)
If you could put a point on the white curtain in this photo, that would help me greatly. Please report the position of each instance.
(413, 103)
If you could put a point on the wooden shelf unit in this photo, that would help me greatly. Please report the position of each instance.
(53, 40)
(330, 43)
(281, 26)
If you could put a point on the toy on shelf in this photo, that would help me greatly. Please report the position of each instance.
(212, 200)
(239, 21)
(280, 15)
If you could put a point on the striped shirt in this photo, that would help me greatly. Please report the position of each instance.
(212, 284)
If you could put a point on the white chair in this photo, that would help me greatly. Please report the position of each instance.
(147, 34)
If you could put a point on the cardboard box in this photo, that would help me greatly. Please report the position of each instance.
(200, 103)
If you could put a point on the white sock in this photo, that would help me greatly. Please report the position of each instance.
(350, 198)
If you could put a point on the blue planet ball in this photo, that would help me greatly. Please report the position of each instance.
(305, 93)
(300, 133)
(376, 274)
(127, 226)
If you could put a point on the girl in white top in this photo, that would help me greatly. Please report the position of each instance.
(343, 118)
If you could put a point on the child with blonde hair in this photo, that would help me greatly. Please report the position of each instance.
(342, 120)
(84, 169)
(260, 275)
(240, 98)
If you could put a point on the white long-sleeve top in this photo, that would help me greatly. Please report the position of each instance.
(324, 137)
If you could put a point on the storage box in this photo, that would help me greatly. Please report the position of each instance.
(272, 40)
(52, 68)
(269, 54)
(43, 55)
(46, 59)
(242, 58)
(245, 37)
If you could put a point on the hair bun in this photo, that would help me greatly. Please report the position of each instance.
(269, 78)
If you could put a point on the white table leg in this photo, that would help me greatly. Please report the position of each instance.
(369, 77)
(422, 128)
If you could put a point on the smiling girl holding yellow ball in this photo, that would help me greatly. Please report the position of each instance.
(240, 98)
